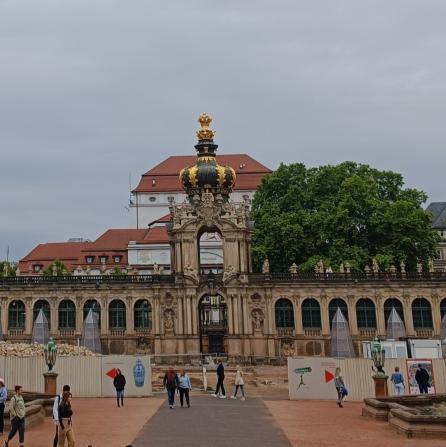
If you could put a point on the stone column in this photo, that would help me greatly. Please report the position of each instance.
(230, 316)
(4, 315)
(235, 313)
(188, 316)
(240, 315)
(156, 315)
(104, 317)
(352, 316)
(194, 311)
(380, 318)
(180, 316)
(54, 313)
(245, 315)
(436, 314)
(408, 320)
(298, 316)
(129, 317)
(79, 321)
(28, 316)
(325, 320)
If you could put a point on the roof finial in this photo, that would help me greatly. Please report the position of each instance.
(205, 133)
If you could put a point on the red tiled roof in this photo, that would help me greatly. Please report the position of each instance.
(165, 219)
(249, 172)
(113, 242)
(116, 239)
(157, 235)
(44, 254)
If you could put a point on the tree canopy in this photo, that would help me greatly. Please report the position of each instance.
(344, 213)
(7, 268)
(56, 268)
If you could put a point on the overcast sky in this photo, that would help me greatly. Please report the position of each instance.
(92, 91)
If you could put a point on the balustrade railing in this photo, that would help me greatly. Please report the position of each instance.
(426, 333)
(117, 332)
(252, 278)
(143, 330)
(367, 333)
(285, 332)
(312, 332)
(67, 332)
(16, 332)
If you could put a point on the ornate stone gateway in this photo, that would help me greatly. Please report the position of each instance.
(213, 324)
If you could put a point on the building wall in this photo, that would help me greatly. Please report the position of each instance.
(251, 318)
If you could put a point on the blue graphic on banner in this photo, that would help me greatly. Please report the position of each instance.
(139, 372)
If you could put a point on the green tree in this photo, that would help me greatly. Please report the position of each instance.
(56, 268)
(7, 268)
(344, 213)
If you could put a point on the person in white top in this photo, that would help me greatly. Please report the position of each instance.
(239, 383)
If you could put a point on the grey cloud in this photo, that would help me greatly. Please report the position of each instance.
(91, 91)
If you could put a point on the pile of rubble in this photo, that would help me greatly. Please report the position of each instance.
(33, 349)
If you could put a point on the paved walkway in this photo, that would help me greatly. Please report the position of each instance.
(213, 421)
(98, 422)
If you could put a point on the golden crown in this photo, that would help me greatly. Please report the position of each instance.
(205, 133)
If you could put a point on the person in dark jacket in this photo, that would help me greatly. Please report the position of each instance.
(119, 384)
(422, 377)
(171, 383)
(220, 381)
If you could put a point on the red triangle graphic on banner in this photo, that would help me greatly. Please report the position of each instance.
(328, 376)
(111, 373)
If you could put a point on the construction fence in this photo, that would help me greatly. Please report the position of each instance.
(313, 377)
(87, 376)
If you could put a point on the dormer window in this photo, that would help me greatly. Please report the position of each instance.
(89, 259)
(103, 259)
(153, 182)
(117, 259)
(152, 199)
(37, 268)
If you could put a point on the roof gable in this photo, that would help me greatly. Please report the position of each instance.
(438, 211)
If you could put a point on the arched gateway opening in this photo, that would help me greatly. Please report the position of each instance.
(213, 324)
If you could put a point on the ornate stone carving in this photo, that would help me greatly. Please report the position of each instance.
(375, 266)
(287, 347)
(169, 322)
(257, 318)
(265, 267)
(229, 273)
(293, 268)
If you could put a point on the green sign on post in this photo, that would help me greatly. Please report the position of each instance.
(303, 370)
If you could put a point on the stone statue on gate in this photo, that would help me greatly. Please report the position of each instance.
(265, 267)
(375, 266)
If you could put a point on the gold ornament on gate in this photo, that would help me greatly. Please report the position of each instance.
(205, 133)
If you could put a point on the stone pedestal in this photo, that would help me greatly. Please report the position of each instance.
(50, 383)
(381, 389)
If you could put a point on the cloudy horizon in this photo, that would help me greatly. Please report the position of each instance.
(94, 92)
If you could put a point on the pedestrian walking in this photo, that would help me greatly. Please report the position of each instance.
(220, 381)
(65, 414)
(170, 382)
(239, 383)
(57, 401)
(184, 387)
(398, 381)
(119, 384)
(341, 389)
(422, 377)
(3, 399)
(17, 416)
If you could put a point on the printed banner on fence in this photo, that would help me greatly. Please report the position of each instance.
(412, 367)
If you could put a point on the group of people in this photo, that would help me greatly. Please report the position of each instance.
(181, 384)
(422, 378)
